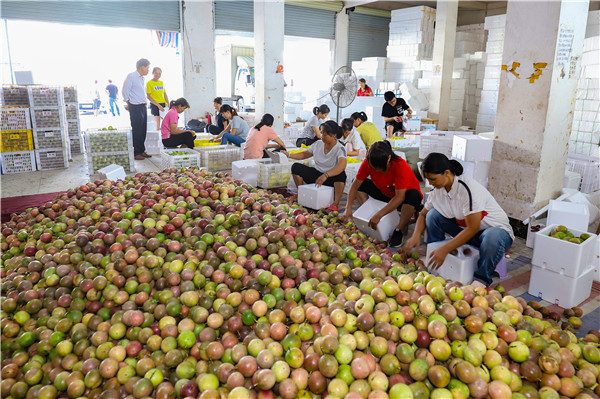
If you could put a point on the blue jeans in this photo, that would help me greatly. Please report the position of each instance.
(231, 138)
(492, 242)
(113, 103)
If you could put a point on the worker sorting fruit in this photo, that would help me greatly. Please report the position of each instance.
(464, 209)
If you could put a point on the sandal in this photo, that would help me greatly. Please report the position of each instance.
(333, 208)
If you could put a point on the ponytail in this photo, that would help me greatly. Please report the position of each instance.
(379, 153)
(228, 108)
(436, 164)
(365, 82)
(359, 115)
(267, 120)
(323, 109)
(180, 101)
(331, 128)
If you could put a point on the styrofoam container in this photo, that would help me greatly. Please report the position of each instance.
(560, 289)
(153, 142)
(569, 214)
(476, 170)
(112, 172)
(313, 197)
(459, 267)
(561, 256)
(386, 225)
(247, 170)
(472, 148)
(531, 234)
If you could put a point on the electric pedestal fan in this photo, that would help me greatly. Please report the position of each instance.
(343, 89)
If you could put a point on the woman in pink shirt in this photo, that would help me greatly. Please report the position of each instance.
(259, 137)
(172, 136)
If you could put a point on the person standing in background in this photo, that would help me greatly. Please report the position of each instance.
(113, 92)
(157, 95)
(134, 94)
(97, 102)
(364, 90)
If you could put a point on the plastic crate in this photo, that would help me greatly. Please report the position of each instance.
(76, 145)
(16, 141)
(153, 143)
(247, 170)
(72, 111)
(55, 158)
(441, 144)
(459, 266)
(45, 96)
(101, 160)
(219, 158)
(189, 158)
(292, 132)
(48, 117)
(560, 289)
(351, 171)
(49, 138)
(14, 119)
(73, 128)
(386, 225)
(562, 256)
(313, 197)
(588, 168)
(274, 174)
(108, 141)
(18, 162)
(14, 96)
(70, 94)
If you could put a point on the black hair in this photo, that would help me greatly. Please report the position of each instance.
(267, 120)
(347, 124)
(228, 108)
(218, 100)
(180, 101)
(324, 109)
(156, 68)
(359, 115)
(365, 82)
(379, 153)
(389, 95)
(331, 128)
(436, 164)
(142, 62)
(109, 81)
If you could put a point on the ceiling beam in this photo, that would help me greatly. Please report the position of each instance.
(475, 5)
(357, 3)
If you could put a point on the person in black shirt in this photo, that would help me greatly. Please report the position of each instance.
(220, 121)
(393, 111)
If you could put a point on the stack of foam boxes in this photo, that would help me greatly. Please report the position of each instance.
(416, 99)
(75, 137)
(425, 69)
(474, 74)
(458, 91)
(486, 117)
(475, 154)
(411, 40)
(585, 131)
(48, 116)
(469, 39)
(372, 69)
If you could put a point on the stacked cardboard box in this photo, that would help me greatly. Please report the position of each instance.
(486, 116)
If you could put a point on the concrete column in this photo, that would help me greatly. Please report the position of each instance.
(268, 54)
(198, 54)
(543, 45)
(443, 61)
(342, 25)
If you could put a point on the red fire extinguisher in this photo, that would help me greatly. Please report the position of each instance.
(209, 118)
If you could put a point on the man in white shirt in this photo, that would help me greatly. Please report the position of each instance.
(134, 94)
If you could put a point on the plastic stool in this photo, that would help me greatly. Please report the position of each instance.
(501, 268)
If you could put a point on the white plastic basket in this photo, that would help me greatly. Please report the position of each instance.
(76, 144)
(70, 94)
(274, 174)
(247, 170)
(48, 117)
(219, 157)
(72, 111)
(18, 162)
(153, 143)
(49, 159)
(588, 168)
(100, 160)
(45, 96)
(188, 158)
(14, 96)
(49, 138)
(108, 141)
(14, 119)
(73, 128)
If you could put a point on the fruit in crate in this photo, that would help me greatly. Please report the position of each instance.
(562, 233)
(173, 153)
(108, 141)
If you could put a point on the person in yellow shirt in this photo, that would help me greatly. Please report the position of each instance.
(367, 130)
(157, 95)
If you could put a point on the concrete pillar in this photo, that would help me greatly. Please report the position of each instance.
(198, 54)
(342, 25)
(543, 45)
(443, 61)
(268, 55)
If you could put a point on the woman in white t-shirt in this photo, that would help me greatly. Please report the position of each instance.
(464, 209)
(311, 133)
(330, 162)
(351, 139)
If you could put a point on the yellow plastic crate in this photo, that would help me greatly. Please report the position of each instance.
(16, 140)
(205, 143)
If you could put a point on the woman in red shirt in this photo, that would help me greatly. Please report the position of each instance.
(365, 90)
(391, 180)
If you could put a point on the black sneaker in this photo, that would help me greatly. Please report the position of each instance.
(396, 239)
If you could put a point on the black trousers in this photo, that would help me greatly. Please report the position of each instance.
(413, 197)
(310, 175)
(176, 140)
(138, 115)
(213, 129)
(306, 141)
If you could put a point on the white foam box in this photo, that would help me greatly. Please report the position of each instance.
(386, 225)
(531, 234)
(247, 170)
(459, 267)
(560, 289)
(413, 124)
(561, 256)
(477, 170)
(472, 148)
(313, 197)
(570, 214)
(112, 172)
